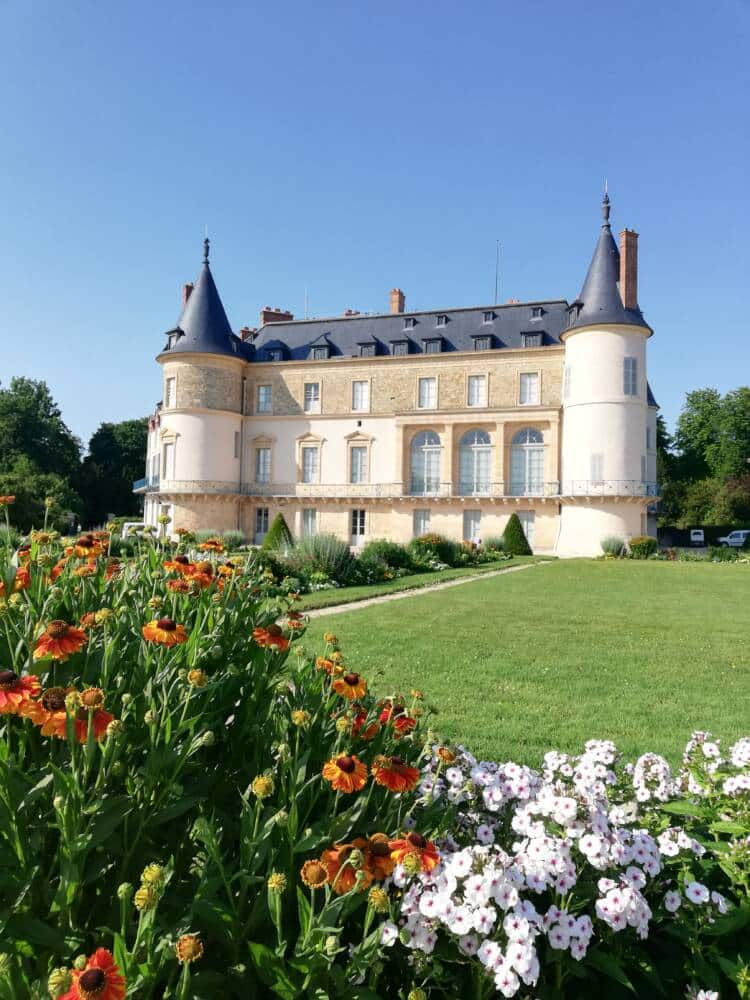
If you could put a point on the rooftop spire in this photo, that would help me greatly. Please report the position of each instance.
(206, 245)
(605, 207)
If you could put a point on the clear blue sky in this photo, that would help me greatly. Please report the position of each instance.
(351, 147)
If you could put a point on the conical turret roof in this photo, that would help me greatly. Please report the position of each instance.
(600, 300)
(203, 326)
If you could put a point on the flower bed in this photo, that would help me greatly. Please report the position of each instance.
(192, 805)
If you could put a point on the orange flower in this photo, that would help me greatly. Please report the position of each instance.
(199, 581)
(88, 568)
(7, 501)
(114, 567)
(394, 774)
(314, 874)
(378, 853)
(398, 718)
(345, 774)
(99, 721)
(15, 691)
(87, 547)
(350, 686)
(359, 728)
(88, 620)
(323, 663)
(58, 568)
(180, 564)
(59, 641)
(343, 870)
(180, 586)
(419, 846)
(100, 980)
(271, 638)
(49, 712)
(212, 545)
(21, 582)
(446, 755)
(165, 632)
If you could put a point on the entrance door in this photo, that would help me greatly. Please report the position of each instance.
(526, 517)
(472, 525)
(358, 527)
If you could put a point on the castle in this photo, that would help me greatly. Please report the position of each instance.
(392, 425)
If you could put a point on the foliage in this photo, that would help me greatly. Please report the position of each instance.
(31, 427)
(514, 538)
(278, 537)
(30, 486)
(642, 546)
(434, 546)
(394, 555)
(612, 545)
(494, 543)
(116, 457)
(233, 539)
(323, 554)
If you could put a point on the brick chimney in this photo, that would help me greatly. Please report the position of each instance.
(186, 293)
(629, 268)
(274, 315)
(351, 312)
(398, 300)
(248, 332)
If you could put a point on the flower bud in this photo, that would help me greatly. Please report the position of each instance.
(263, 786)
(412, 864)
(124, 891)
(145, 899)
(331, 945)
(5, 964)
(216, 652)
(281, 818)
(356, 859)
(277, 882)
(153, 875)
(80, 963)
(114, 729)
(150, 717)
(126, 698)
(197, 678)
(118, 768)
(58, 802)
(156, 603)
(72, 702)
(417, 994)
(59, 982)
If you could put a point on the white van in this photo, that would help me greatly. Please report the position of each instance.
(697, 537)
(735, 539)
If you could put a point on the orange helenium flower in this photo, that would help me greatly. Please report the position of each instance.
(99, 722)
(15, 691)
(419, 846)
(87, 547)
(21, 582)
(345, 774)
(165, 632)
(350, 686)
(323, 663)
(397, 716)
(394, 774)
(7, 501)
(49, 712)
(100, 980)
(342, 875)
(271, 638)
(314, 874)
(378, 853)
(179, 586)
(212, 545)
(180, 564)
(58, 641)
(359, 728)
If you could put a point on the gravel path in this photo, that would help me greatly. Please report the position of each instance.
(337, 609)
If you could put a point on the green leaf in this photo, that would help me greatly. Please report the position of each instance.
(729, 923)
(36, 932)
(724, 826)
(682, 807)
(303, 909)
(609, 966)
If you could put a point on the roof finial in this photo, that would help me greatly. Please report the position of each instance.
(206, 245)
(605, 206)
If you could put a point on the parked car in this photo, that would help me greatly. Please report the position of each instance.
(697, 537)
(735, 539)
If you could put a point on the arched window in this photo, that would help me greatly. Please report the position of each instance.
(475, 463)
(527, 463)
(425, 463)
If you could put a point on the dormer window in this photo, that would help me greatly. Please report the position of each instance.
(320, 352)
(274, 354)
(441, 320)
(399, 347)
(481, 343)
(367, 350)
(409, 323)
(173, 337)
(433, 346)
(488, 316)
(537, 312)
(531, 340)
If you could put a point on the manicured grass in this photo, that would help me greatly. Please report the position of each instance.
(346, 595)
(639, 652)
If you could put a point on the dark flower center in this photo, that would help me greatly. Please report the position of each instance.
(57, 629)
(397, 761)
(205, 567)
(166, 625)
(351, 679)
(346, 764)
(93, 981)
(8, 678)
(417, 840)
(182, 560)
(274, 630)
(53, 700)
(380, 849)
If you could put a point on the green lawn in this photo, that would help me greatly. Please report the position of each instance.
(345, 595)
(638, 652)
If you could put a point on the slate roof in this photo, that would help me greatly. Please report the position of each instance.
(600, 301)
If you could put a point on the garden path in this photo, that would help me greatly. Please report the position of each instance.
(399, 595)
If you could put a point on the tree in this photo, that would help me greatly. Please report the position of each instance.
(729, 453)
(279, 537)
(698, 433)
(31, 424)
(116, 456)
(31, 487)
(515, 542)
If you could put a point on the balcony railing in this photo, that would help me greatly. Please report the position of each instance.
(146, 485)
(609, 488)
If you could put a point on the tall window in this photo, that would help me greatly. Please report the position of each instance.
(529, 389)
(312, 397)
(263, 399)
(427, 399)
(263, 465)
(472, 525)
(477, 390)
(425, 463)
(567, 376)
(261, 524)
(320, 353)
(310, 464)
(630, 376)
(358, 526)
(475, 463)
(527, 463)
(597, 468)
(361, 395)
(358, 458)
(170, 392)
(421, 523)
(309, 521)
(167, 468)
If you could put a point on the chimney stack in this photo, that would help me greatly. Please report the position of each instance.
(186, 293)
(398, 300)
(629, 268)
(248, 333)
(274, 315)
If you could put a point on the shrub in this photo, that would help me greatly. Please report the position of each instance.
(323, 554)
(233, 539)
(278, 537)
(642, 546)
(724, 553)
(613, 546)
(494, 543)
(514, 538)
(395, 555)
(10, 537)
(434, 546)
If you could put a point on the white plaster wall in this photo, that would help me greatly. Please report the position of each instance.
(204, 448)
(284, 433)
(584, 524)
(598, 418)
(651, 452)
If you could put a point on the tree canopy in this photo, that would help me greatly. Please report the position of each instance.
(116, 456)
(32, 426)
